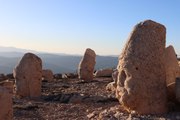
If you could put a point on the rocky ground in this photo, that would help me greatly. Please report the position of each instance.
(73, 99)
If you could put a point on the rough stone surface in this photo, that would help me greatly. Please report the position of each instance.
(104, 73)
(47, 75)
(111, 86)
(179, 63)
(6, 110)
(86, 65)
(28, 75)
(141, 85)
(171, 91)
(171, 63)
(115, 75)
(172, 71)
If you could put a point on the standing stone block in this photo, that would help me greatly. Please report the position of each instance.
(86, 65)
(141, 85)
(172, 71)
(171, 63)
(28, 75)
(6, 110)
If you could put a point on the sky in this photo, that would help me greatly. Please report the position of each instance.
(71, 26)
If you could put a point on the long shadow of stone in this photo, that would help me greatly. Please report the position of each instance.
(62, 98)
(90, 81)
(174, 106)
(77, 98)
(31, 111)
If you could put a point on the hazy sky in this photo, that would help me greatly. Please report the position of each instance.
(71, 26)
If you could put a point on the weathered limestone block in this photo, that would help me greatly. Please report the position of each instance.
(171, 63)
(86, 65)
(6, 110)
(28, 75)
(141, 85)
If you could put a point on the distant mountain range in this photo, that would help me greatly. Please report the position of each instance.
(58, 63)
